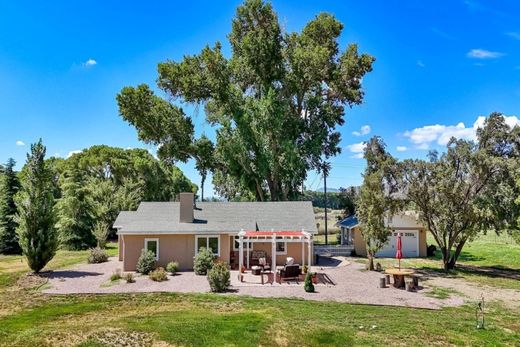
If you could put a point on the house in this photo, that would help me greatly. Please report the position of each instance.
(413, 236)
(175, 231)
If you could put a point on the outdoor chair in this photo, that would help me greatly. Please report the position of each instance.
(289, 272)
(262, 262)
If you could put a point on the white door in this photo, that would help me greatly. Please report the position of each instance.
(410, 243)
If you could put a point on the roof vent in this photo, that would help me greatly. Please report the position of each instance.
(186, 207)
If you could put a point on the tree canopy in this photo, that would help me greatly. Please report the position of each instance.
(468, 189)
(377, 201)
(275, 102)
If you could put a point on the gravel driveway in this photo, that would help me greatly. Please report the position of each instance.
(351, 285)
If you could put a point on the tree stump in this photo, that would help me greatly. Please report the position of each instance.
(415, 279)
(409, 286)
(382, 282)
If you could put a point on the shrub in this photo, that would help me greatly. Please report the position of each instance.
(129, 277)
(116, 275)
(203, 261)
(158, 275)
(146, 262)
(97, 255)
(172, 267)
(308, 286)
(218, 277)
(100, 232)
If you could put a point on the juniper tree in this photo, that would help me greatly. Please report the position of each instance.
(9, 186)
(36, 217)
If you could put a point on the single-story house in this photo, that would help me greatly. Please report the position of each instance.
(413, 236)
(175, 231)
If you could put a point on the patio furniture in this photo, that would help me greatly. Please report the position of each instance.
(289, 272)
(262, 262)
(399, 275)
(382, 282)
(256, 270)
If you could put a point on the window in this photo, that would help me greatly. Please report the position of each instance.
(235, 244)
(281, 247)
(211, 242)
(152, 245)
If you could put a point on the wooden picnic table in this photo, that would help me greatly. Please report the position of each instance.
(399, 275)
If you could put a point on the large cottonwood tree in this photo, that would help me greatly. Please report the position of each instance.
(275, 102)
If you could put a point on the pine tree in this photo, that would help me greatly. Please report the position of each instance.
(9, 186)
(35, 201)
(76, 212)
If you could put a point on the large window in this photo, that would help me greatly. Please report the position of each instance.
(211, 242)
(152, 245)
(281, 247)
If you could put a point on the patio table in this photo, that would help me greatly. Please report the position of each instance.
(399, 275)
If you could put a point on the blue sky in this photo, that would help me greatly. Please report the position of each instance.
(440, 65)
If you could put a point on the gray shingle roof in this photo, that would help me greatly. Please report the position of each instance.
(216, 217)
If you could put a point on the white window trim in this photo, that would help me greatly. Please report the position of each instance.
(146, 240)
(284, 247)
(197, 237)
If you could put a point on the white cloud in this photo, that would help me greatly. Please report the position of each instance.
(90, 62)
(514, 35)
(420, 63)
(364, 130)
(71, 153)
(483, 54)
(357, 149)
(423, 137)
(20, 143)
(401, 148)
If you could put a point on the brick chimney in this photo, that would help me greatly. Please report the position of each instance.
(186, 207)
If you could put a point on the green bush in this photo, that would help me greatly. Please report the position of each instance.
(218, 277)
(158, 275)
(97, 255)
(146, 262)
(516, 236)
(309, 286)
(203, 261)
(129, 277)
(172, 267)
(116, 275)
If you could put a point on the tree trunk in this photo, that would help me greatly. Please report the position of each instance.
(455, 256)
(203, 178)
(370, 262)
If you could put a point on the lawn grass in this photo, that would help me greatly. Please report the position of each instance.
(489, 260)
(210, 319)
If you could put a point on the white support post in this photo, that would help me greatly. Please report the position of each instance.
(273, 254)
(240, 253)
(247, 260)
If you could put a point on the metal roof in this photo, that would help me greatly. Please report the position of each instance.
(217, 217)
(349, 222)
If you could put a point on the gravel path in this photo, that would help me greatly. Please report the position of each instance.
(351, 285)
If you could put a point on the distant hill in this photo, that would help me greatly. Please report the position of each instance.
(329, 190)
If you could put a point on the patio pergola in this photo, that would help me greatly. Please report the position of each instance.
(272, 236)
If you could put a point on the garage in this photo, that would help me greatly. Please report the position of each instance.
(410, 242)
